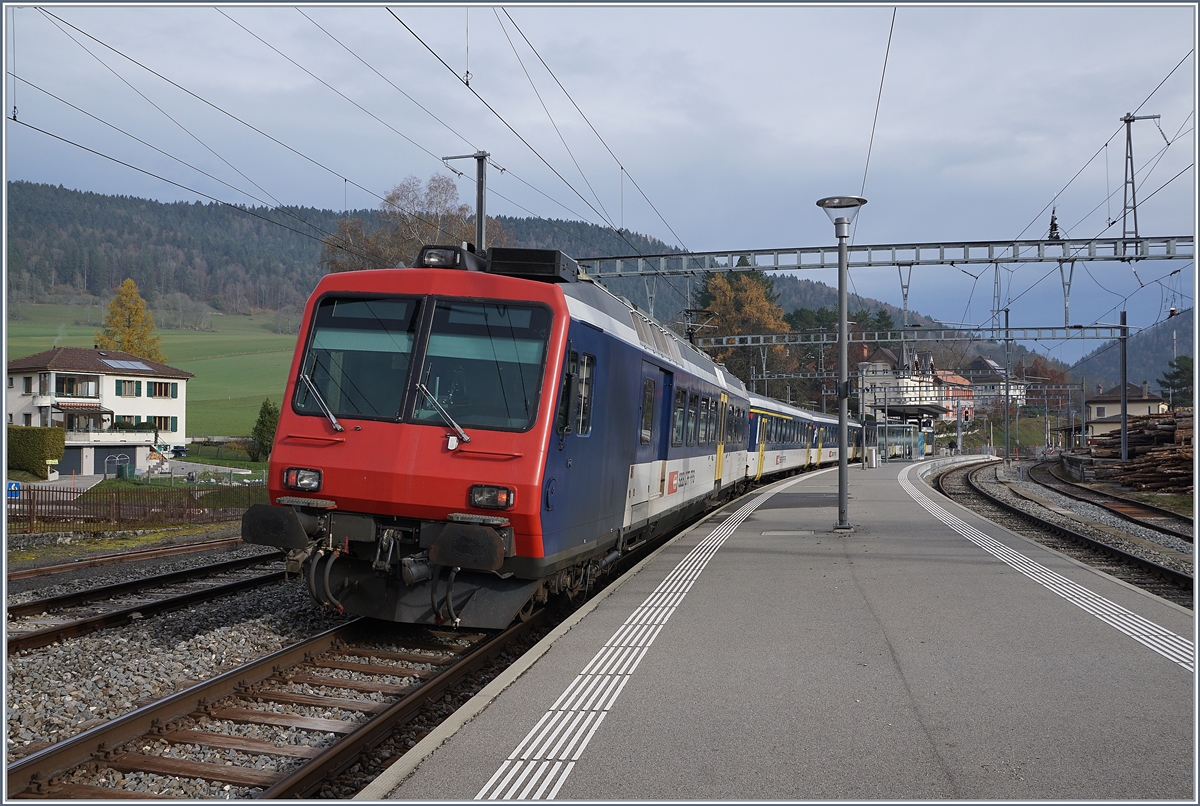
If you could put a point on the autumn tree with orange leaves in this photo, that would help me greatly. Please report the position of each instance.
(745, 303)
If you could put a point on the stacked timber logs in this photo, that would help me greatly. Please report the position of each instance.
(1160, 453)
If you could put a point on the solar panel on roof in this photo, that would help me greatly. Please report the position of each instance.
(117, 364)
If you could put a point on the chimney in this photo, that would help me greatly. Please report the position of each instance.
(1145, 388)
(1099, 389)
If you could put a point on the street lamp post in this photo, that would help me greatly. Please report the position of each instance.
(842, 211)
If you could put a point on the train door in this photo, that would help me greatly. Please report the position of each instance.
(762, 445)
(720, 439)
(654, 433)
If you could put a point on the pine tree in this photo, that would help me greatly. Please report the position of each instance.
(129, 327)
(262, 436)
(1178, 382)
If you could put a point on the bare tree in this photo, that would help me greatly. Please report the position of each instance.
(413, 214)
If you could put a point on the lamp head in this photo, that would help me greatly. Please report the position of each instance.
(844, 207)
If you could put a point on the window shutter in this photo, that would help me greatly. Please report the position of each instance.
(174, 423)
(119, 385)
(174, 393)
(137, 389)
(137, 418)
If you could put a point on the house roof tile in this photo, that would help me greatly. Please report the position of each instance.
(81, 359)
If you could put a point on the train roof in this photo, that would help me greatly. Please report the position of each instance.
(779, 407)
(591, 302)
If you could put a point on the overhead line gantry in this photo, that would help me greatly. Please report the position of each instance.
(950, 253)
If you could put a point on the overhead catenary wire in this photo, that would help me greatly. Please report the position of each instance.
(235, 118)
(1103, 147)
(181, 186)
(624, 171)
(507, 125)
(523, 140)
(275, 205)
(607, 218)
(456, 133)
(162, 111)
(491, 190)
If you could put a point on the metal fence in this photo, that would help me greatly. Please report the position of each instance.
(57, 509)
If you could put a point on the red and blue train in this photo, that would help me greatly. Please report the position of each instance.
(463, 439)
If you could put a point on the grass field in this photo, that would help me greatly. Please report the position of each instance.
(236, 366)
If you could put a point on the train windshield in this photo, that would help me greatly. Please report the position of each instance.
(484, 364)
(358, 357)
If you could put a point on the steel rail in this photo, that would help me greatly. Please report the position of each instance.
(307, 779)
(49, 635)
(36, 606)
(1097, 497)
(34, 772)
(1177, 578)
(129, 556)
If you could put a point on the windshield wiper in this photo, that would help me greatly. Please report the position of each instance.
(445, 414)
(312, 387)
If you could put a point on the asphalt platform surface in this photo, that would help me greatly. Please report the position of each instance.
(927, 655)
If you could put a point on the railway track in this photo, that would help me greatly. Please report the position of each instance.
(277, 727)
(124, 557)
(44, 621)
(1148, 515)
(963, 486)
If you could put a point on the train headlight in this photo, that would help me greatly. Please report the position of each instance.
(300, 478)
(438, 257)
(489, 496)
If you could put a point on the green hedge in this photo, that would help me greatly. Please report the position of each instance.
(30, 446)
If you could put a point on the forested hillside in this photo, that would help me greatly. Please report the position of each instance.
(1147, 354)
(190, 259)
(65, 244)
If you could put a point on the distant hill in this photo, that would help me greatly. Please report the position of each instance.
(71, 246)
(1147, 354)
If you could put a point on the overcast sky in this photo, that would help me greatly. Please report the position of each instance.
(732, 120)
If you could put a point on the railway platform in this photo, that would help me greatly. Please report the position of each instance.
(761, 655)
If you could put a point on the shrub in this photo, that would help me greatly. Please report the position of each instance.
(30, 446)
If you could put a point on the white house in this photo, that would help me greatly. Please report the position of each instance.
(988, 384)
(111, 404)
(908, 386)
(1104, 409)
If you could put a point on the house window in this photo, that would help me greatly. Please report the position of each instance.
(162, 389)
(166, 423)
(77, 386)
(1100, 411)
(129, 388)
(10, 382)
(28, 418)
(27, 387)
(44, 383)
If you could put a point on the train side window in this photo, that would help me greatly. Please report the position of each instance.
(702, 439)
(678, 417)
(587, 371)
(564, 398)
(693, 404)
(647, 411)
